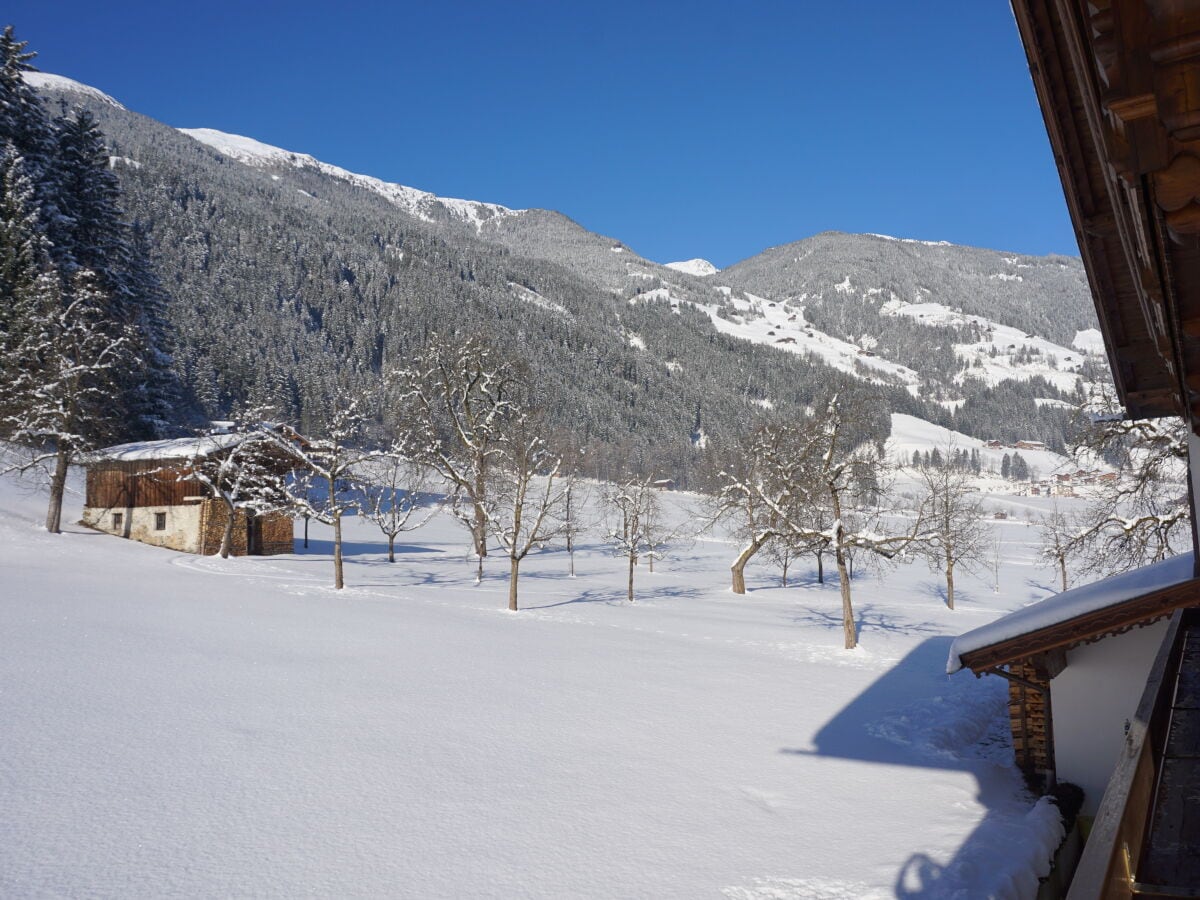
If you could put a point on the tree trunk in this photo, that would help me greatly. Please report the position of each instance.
(480, 535)
(227, 533)
(58, 487)
(632, 563)
(306, 532)
(739, 565)
(514, 565)
(338, 583)
(651, 563)
(949, 584)
(1062, 568)
(847, 608)
(478, 568)
(785, 568)
(571, 561)
(820, 567)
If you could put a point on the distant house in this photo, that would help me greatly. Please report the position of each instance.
(995, 445)
(144, 491)
(1030, 445)
(664, 484)
(1063, 478)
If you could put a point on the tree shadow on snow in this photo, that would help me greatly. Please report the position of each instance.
(320, 547)
(617, 597)
(913, 715)
(867, 617)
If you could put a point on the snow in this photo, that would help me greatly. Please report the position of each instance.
(783, 326)
(701, 268)
(421, 204)
(529, 295)
(910, 433)
(191, 726)
(175, 448)
(888, 237)
(1005, 340)
(1090, 340)
(1072, 604)
(46, 81)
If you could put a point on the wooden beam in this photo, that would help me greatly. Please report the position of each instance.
(1092, 626)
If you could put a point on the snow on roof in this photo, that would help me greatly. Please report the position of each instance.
(1072, 604)
(176, 448)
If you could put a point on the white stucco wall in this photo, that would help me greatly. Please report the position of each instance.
(182, 531)
(1091, 699)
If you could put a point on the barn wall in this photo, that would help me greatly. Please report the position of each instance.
(277, 530)
(1095, 694)
(138, 523)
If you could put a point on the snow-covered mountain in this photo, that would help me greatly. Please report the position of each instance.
(422, 204)
(278, 261)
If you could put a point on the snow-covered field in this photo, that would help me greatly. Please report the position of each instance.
(176, 726)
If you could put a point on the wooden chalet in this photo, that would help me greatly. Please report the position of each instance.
(144, 491)
(1119, 86)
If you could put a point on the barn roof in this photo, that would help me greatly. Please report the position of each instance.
(1079, 616)
(175, 448)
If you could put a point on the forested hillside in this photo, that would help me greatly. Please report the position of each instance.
(292, 282)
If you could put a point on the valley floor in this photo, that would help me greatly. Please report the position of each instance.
(178, 726)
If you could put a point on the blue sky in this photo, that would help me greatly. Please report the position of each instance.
(711, 129)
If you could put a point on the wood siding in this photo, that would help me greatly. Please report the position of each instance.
(121, 485)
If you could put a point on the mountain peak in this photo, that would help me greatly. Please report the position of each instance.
(702, 268)
(46, 81)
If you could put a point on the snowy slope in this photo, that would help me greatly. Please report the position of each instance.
(782, 325)
(189, 726)
(992, 358)
(45, 80)
(910, 433)
(421, 204)
(701, 268)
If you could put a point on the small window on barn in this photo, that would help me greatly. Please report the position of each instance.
(118, 521)
(160, 521)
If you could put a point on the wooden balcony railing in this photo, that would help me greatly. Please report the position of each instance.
(1145, 841)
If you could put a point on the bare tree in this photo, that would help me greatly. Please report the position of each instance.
(240, 467)
(751, 492)
(524, 503)
(325, 484)
(59, 378)
(391, 486)
(457, 397)
(1143, 515)
(1060, 535)
(783, 553)
(576, 494)
(628, 503)
(956, 536)
(833, 472)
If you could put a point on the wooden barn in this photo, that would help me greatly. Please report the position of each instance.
(144, 491)
(1118, 82)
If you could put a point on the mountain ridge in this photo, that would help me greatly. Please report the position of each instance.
(278, 263)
